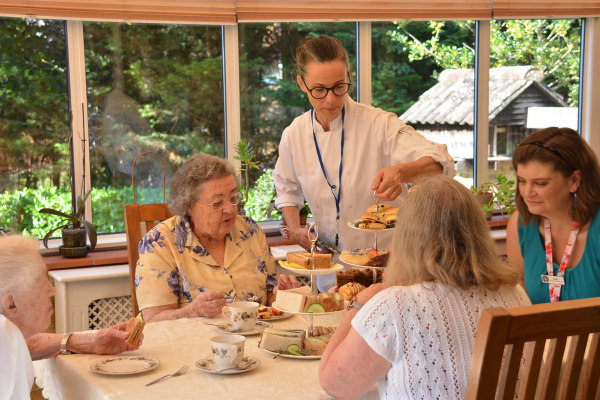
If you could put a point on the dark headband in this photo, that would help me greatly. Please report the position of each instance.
(553, 151)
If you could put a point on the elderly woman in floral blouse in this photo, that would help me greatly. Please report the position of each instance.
(193, 263)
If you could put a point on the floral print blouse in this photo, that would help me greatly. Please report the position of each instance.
(173, 266)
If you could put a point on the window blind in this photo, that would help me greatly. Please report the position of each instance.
(360, 10)
(176, 11)
(511, 9)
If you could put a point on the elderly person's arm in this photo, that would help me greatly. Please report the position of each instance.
(105, 341)
(349, 367)
(206, 304)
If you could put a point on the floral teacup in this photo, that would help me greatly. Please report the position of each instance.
(227, 350)
(242, 315)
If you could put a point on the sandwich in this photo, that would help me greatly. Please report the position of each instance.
(282, 340)
(310, 261)
(135, 327)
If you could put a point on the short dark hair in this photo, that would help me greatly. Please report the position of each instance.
(567, 152)
(320, 49)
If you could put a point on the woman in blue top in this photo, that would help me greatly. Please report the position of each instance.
(554, 238)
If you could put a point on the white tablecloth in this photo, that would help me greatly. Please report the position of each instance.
(186, 341)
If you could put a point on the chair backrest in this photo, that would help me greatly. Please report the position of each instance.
(139, 219)
(561, 358)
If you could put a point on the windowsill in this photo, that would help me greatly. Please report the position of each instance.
(104, 256)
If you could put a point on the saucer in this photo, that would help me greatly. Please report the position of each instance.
(208, 365)
(258, 328)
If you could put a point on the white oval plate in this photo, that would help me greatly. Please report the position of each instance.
(258, 328)
(274, 353)
(125, 365)
(306, 313)
(320, 271)
(208, 365)
(352, 224)
(283, 315)
(361, 266)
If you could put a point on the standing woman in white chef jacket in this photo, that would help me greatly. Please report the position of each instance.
(340, 154)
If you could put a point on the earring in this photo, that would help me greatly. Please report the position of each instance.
(574, 201)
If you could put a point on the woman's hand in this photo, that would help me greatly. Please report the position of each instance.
(285, 282)
(300, 236)
(388, 183)
(206, 304)
(112, 340)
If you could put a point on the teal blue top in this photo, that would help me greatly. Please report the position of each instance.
(581, 281)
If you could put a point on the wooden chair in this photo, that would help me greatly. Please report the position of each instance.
(562, 355)
(139, 219)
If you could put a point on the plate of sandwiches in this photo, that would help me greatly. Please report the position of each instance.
(383, 217)
(296, 343)
(365, 258)
(302, 301)
(310, 264)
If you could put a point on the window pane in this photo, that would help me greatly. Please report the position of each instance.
(270, 97)
(34, 124)
(150, 88)
(534, 83)
(422, 71)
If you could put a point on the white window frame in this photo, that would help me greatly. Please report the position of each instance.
(590, 96)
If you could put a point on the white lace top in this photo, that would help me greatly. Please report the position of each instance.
(426, 332)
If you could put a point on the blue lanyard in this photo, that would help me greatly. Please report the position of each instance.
(332, 187)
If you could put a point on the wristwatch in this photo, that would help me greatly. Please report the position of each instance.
(354, 303)
(63, 344)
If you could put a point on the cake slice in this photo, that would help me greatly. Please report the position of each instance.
(310, 261)
(279, 340)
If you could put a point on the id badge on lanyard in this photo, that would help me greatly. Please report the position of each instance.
(555, 283)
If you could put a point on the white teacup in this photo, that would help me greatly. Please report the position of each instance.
(242, 315)
(227, 350)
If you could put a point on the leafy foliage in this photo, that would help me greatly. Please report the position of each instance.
(503, 194)
(554, 46)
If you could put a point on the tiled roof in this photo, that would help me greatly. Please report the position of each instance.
(450, 101)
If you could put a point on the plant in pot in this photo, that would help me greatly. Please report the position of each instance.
(245, 154)
(74, 229)
(497, 195)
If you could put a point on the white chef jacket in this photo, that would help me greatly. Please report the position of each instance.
(16, 367)
(373, 139)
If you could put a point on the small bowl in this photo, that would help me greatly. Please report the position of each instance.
(74, 252)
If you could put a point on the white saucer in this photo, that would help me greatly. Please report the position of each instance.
(258, 328)
(208, 365)
(124, 365)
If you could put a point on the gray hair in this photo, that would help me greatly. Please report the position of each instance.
(443, 236)
(187, 183)
(20, 262)
(320, 49)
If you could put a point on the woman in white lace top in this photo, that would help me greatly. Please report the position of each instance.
(414, 333)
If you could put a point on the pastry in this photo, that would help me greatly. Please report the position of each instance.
(356, 256)
(351, 289)
(379, 261)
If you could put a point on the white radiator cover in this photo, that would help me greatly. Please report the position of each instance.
(77, 288)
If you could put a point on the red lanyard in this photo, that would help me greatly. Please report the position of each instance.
(555, 283)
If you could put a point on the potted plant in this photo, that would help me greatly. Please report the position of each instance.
(245, 154)
(74, 229)
(497, 195)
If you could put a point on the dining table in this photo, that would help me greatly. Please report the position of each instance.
(180, 342)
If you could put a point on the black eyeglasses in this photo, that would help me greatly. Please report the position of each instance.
(321, 92)
(219, 204)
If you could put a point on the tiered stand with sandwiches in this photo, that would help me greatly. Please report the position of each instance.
(378, 218)
(301, 343)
